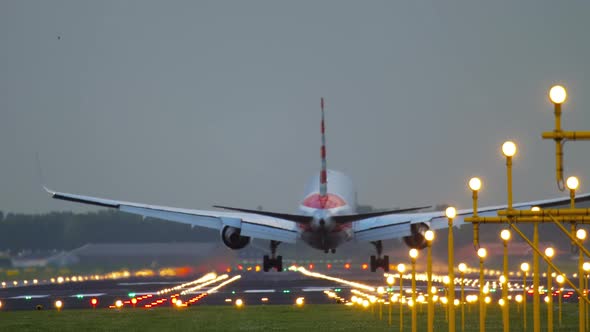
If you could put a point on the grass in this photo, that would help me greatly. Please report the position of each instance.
(262, 318)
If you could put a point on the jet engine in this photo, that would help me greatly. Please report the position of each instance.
(232, 239)
(417, 240)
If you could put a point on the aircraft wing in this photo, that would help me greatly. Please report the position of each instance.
(394, 226)
(252, 225)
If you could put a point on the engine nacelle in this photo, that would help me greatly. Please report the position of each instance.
(417, 240)
(232, 239)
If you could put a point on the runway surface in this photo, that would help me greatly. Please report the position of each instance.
(251, 287)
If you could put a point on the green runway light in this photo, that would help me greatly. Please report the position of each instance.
(233, 292)
(337, 290)
(80, 296)
(286, 291)
(131, 294)
(28, 297)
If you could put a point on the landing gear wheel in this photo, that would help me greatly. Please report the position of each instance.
(268, 263)
(379, 261)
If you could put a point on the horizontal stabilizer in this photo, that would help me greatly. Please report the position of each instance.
(291, 217)
(356, 217)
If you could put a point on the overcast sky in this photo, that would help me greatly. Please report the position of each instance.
(194, 103)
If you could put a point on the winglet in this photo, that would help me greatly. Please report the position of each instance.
(41, 178)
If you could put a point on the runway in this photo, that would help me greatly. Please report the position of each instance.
(251, 287)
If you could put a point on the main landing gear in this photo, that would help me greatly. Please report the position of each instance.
(379, 262)
(273, 261)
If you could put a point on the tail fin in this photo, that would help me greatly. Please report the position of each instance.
(323, 173)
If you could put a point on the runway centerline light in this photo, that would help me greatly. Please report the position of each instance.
(475, 184)
(557, 94)
(509, 149)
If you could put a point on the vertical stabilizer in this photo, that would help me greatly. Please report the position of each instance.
(323, 172)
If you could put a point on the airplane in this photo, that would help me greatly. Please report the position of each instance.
(326, 217)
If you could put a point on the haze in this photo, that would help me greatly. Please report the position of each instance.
(191, 104)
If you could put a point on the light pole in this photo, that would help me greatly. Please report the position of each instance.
(413, 256)
(401, 268)
(549, 252)
(390, 282)
(446, 282)
(557, 95)
(581, 235)
(380, 291)
(451, 213)
(481, 252)
(429, 236)
(525, 268)
(509, 150)
(586, 268)
(505, 235)
(560, 279)
(475, 186)
(462, 269)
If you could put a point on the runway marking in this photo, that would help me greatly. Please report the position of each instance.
(146, 283)
(303, 271)
(89, 295)
(260, 291)
(28, 297)
(315, 289)
(198, 287)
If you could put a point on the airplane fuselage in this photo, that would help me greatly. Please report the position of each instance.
(322, 233)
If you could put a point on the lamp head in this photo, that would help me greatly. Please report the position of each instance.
(413, 253)
(475, 184)
(390, 280)
(482, 252)
(549, 252)
(560, 279)
(505, 234)
(586, 266)
(509, 149)
(581, 234)
(525, 267)
(451, 212)
(429, 235)
(572, 183)
(401, 268)
(462, 267)
(557, 94)
(535, 209)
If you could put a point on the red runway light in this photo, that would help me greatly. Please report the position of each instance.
(94, 302)
(311, 266)
(329, 266)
